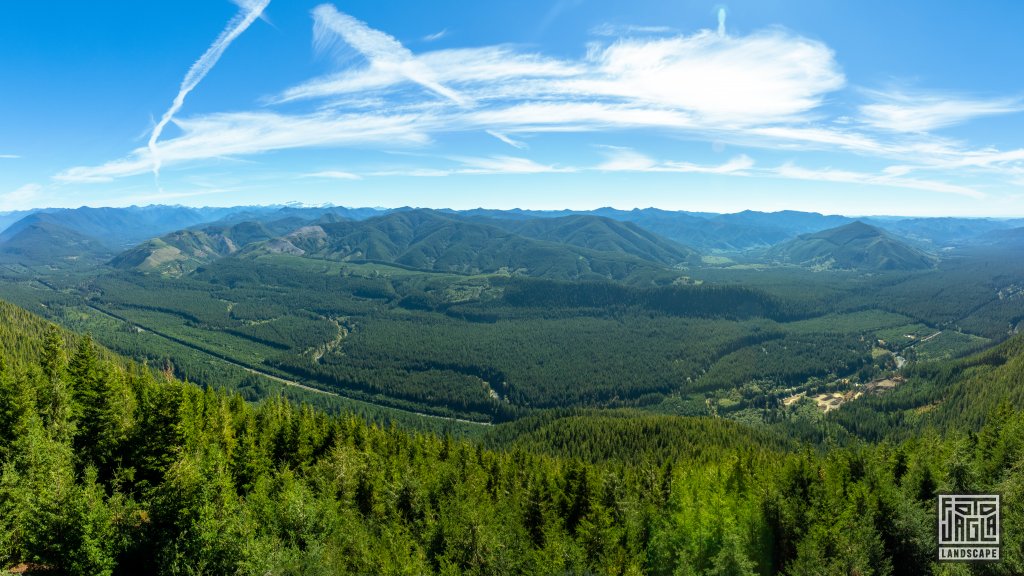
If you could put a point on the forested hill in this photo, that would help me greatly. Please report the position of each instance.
(184, 250)
(40, 240)
(110, 469)
(579, 248)
(854, 246)
(602, 234)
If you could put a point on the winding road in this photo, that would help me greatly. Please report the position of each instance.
(278, 379)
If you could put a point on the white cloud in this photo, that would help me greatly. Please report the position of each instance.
(9, 156)
(505, 165)
(386, 55)
(608, 29)
(475, 69)
(737, 165)
(763, 90)
(983, 158)
(628, 160)
(897, 170)
(625, 159)
(504, 138)
(234, 134)
(576, 117)
(435, 36)
(820, 137)
(921, 149)
(765, 77)
(916, 152)
(885, 179)
(698, 82)
(20, 198)
(333, 175)
(472, 165)
(900, 112)
(250, 11)
(414, 172)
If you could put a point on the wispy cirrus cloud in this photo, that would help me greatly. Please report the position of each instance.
(491, 72)
(768, 89)
(387, 56)
(505, 138)
(697, 82)
(625, 159)
(333, 175)
(737, 165)
(908, 112)
(21, 197)
(479, 166)
(436, 35)
(886, 179)
(250, 11)
(506, 165)
(615, 30)
(621, 159)
(917, 152)
(570, 116)
(9, 156)
(248, 133)
(765, 77)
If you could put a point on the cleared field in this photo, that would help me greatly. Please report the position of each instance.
(950, 344)
(875, 321)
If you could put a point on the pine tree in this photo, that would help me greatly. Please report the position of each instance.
(732, 559)
(105, 406)
(53, 360)
(15, 402)
(365, 495)
(534, 513)
(576, 496)
(55, 392)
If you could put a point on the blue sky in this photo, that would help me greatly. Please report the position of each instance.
(860, 108)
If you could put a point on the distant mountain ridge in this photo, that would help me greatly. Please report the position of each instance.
(699, 230)
(854, 246)
(41, 239)
(650, 235)
(118, 228)
(577, 247)
(602, 234)
(1011, 238)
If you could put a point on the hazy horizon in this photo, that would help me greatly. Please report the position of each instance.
(507, 209)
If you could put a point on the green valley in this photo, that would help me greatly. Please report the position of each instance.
(570, 388)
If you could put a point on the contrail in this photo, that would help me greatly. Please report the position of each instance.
(721, 22)
(250, 11)
(504, 138)
(382, 50)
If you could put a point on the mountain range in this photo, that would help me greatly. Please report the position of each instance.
(605, 242)
(568, 248)
(42, 239)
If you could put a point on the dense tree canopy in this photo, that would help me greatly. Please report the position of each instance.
(110, 468)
